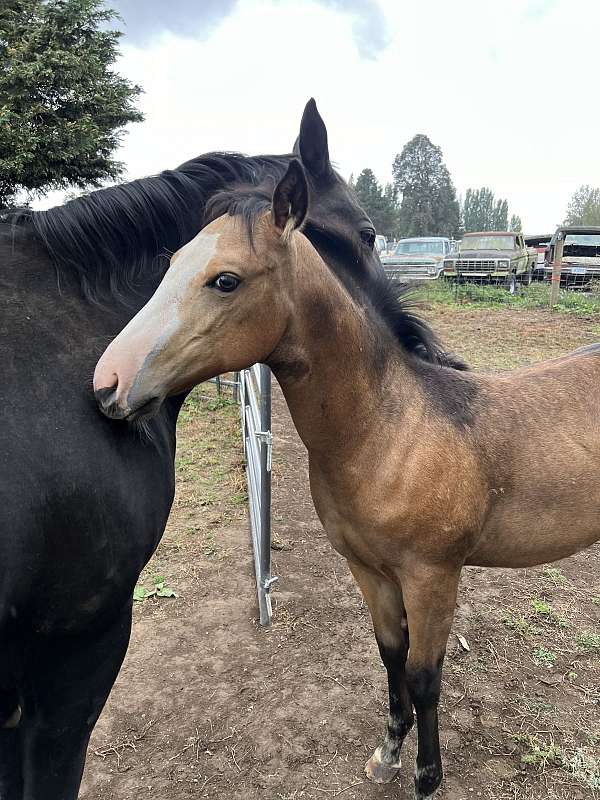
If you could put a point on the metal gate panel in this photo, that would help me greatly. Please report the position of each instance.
(255, 408)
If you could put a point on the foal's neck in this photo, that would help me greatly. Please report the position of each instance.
(340, 372)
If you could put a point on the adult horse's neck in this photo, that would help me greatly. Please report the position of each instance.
(339, 367)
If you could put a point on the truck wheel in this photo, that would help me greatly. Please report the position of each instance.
(526, 278)
(511, 284)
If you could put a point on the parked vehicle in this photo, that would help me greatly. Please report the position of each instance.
(417, 259)
(380, 245)
(491, 257)
(540, 247)
(581, 255)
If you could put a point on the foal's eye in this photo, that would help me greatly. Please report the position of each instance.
(368, 237)
(226, 282)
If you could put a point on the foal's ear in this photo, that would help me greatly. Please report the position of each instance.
(290, 199)
(311, 145)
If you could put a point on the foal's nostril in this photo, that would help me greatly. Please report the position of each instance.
(106, 398)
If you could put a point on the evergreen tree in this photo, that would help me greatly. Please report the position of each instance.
(482, 212)
(515, 224)
(429, 206)
(378, 202)
(584, 207)
(62, 107)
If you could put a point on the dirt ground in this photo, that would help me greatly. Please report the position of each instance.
(209, 705)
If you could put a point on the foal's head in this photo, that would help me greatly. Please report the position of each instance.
(224, 304)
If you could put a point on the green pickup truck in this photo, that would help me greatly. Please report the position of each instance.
(491, 257)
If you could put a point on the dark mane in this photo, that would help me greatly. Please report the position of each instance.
(392, 303)
(112, 237)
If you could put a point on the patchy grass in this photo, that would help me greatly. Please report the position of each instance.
(542, 655)
(534, 297)
(210, 475)
(542, 755)
(518, 623)
(589, 641)
(545, 610)
(555, 575)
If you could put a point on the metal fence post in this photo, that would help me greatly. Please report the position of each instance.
(556, 269)
(265, 490)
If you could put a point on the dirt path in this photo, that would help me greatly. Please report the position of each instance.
(210, 706)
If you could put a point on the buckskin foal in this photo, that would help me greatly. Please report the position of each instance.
(415, 469)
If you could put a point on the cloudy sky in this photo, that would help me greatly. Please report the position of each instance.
(507, 89)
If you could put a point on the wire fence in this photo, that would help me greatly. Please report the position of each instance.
(574, 294)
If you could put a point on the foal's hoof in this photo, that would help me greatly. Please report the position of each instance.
(378, 772)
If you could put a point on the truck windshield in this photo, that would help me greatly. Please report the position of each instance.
(487, 243)
(583, 239)
(410, 248)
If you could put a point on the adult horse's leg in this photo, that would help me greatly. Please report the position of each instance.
(69, 680)
(384, 599)
(429, 593)
(11, 783)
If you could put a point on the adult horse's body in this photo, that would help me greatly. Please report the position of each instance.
(415, 469)
(84, 501)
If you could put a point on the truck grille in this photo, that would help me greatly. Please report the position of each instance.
(476, 265)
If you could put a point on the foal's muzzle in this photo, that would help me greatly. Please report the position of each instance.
(110, 405)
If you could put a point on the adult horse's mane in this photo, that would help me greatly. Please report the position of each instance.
(392, 303)
(113, 236)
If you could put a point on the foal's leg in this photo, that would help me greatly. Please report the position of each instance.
(70, 679)
(429, 593)
(384, 599)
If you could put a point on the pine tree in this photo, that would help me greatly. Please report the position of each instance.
(62, 107)
(378, 202)
(429, 206)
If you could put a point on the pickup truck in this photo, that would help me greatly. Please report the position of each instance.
(491, 257)
(417, 259)
(580, 262)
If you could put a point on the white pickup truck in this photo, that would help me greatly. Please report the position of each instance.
(581, 255)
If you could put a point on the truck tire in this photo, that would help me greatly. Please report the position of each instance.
(511, 283)
(527, 277)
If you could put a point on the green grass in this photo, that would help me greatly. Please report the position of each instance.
(555, 576)
(543, 609)
(583, 766)
(541, 655)
(521, 625)
(536, 296)
(589, 641)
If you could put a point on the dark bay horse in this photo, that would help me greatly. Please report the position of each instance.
(83, 500)
(416, 469)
